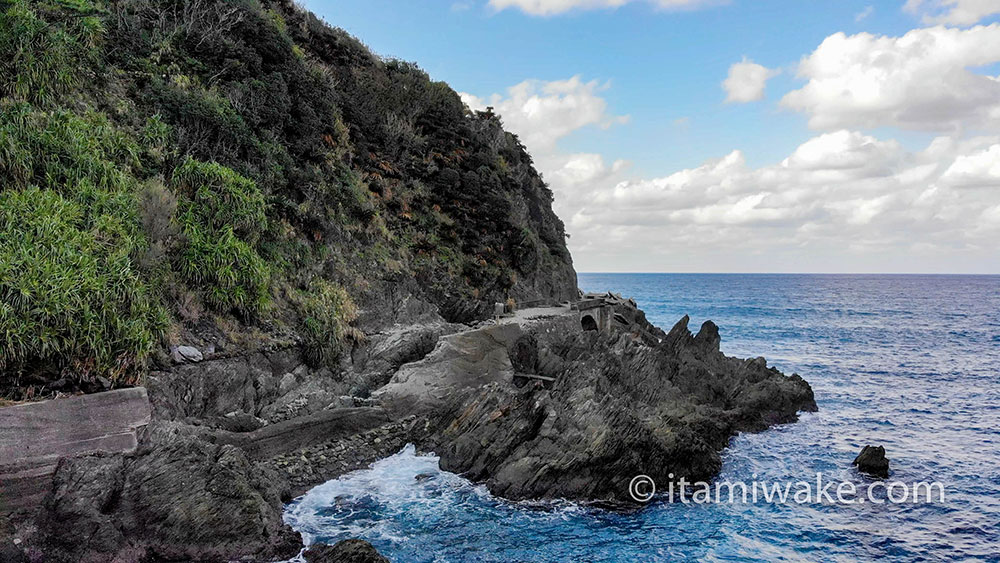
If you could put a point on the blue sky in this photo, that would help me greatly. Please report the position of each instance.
(664, 68)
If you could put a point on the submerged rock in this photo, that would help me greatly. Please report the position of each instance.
(346, 551)
(872, 461)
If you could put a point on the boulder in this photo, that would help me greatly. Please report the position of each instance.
(872, 461)
(182, 354)
(346, 551)
(177, 498)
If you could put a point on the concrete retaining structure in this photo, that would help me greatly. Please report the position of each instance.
(35, 436)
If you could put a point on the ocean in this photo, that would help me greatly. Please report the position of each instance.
(910, 362)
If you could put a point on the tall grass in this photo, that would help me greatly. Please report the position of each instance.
(40, 62)
(71, 300)
(327, 312)
(69, 296)
(222, 217)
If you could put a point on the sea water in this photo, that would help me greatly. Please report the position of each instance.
(908, 362)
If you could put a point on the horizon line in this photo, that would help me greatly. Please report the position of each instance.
(799, 273)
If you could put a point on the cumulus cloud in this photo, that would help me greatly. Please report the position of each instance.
(923, 80)
(746, 81)
(841, 201)
(840, 198)
(953, 12)
(541, 112)
(553, 7)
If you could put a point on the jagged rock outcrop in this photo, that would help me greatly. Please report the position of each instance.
(872, 461)
(621, 405)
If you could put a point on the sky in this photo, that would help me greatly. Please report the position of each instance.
(846, 136)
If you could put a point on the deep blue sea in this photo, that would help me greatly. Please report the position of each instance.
(909, 362)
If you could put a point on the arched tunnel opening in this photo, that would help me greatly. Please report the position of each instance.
(588, 323)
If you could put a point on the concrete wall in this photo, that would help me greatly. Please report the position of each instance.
(34, 436)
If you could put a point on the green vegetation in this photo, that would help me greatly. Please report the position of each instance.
(160, 158)
(222, 216)
(69, 296)
(327, 311)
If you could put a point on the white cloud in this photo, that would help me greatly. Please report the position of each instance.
(981, 168)
(863, 14)
(922, 80)
(541, 113)
(953, 12)
(746, 81)
(839, 199)
(553, 7)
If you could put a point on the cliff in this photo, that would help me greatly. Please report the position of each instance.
(239, 175)
(283, 248)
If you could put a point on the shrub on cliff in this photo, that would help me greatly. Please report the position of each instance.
(69, 295)
(327, 312)
(222, 215)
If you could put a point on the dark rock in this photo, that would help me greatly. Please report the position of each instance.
(283, 437)
(620, 407)
(708, 337)
(239, 421)
(273, 386)
(872, 461)
(379, 358)
(33, 436)
(10, 553)
(177, 498)
(346, 551)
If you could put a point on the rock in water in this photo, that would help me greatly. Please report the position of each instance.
(872, 461)
(629, 401)
(346, 551)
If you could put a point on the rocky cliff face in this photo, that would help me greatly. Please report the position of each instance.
(241, 176)
(291, 244)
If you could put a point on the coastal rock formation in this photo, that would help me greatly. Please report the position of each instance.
(35, 436)
(872, 461)
(346, 551)
(178, 497)
(325, 232)
(538, 406)
(548, 409)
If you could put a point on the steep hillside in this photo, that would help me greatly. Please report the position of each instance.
(176, 168)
